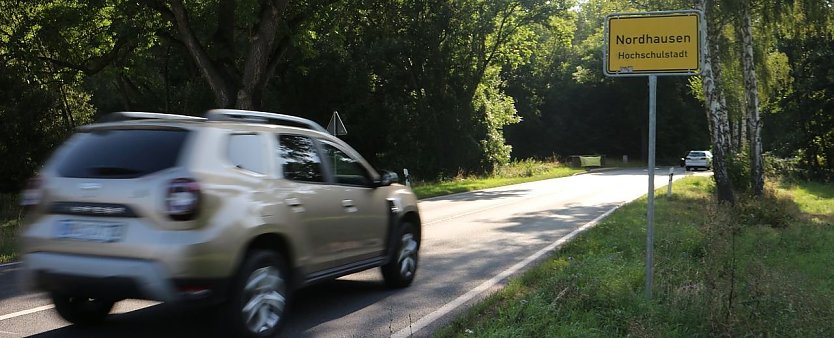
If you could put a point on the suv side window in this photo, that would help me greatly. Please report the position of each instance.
(346, 170)
(299, 159)
(246, 152)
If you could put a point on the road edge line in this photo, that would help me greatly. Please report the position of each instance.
(457, 302)
(10, 265)
(26, 312)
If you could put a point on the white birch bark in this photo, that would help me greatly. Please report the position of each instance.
(751, 89)
(716, 115)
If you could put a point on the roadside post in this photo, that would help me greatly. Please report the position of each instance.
(671, 176)
(652, 44)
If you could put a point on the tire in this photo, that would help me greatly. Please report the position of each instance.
(259, 296)
(688, 168)
(82, 311)
(402, 268)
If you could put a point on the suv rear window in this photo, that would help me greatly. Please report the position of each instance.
(122, 153)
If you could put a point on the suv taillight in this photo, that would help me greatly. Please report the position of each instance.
(32, 194)
(183, 199)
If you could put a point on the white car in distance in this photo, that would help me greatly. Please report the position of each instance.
(698, 159)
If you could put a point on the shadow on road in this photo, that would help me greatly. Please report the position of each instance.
(310, 307)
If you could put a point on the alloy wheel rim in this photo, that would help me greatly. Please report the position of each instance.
(408, 255)
(264, 300)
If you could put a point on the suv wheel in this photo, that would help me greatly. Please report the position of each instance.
(399, 272)
(81, 310)
(259, 297)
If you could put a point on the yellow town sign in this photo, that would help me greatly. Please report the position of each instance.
(662, 43)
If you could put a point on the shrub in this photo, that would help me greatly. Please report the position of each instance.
(738, 170)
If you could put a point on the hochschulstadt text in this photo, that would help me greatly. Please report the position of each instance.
(653, 55)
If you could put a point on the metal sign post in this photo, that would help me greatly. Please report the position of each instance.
(652, 44)
(650, 211)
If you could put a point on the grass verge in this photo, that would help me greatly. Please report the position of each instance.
(513, 173)
(761, 268)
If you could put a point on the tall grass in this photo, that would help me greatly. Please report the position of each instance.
(761, 268)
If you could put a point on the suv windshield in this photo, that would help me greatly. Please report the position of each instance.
(124, 153)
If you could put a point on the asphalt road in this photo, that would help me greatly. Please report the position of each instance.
(471, 243)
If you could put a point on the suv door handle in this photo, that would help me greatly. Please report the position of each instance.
(349, 207)
(294, 204)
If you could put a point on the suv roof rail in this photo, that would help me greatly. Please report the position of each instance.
(135, 115)
(262, 117)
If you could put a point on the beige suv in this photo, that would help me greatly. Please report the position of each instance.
(238, 208)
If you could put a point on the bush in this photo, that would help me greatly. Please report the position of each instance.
(738, 170)
(525, 168)
(787, 169)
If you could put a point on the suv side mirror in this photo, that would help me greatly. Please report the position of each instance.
(387, 178)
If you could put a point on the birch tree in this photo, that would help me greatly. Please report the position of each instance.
(754, 125)
(770, 14)
(716, 111)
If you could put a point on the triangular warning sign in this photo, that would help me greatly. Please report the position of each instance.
(336, 127)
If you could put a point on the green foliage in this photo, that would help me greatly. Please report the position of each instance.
(499, 111)
(718, 272)
(420, 85)
(31, 123)
(526, 168)
(788, 169)
(738, 170)
(40, 102)
(579, 111)
(803, 126)
(438, 87)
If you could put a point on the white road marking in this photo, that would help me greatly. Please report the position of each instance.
(449, 307)
(26, 312)
(120, 307)
(9, 265)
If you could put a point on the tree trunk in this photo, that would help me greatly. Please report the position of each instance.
(268, 40)
(221, 88)
(261, 48)
(752, 95)
(712, 53)
(717, 116)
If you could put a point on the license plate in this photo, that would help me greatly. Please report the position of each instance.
(95, 231)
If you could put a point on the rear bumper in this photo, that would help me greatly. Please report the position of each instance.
(112, 278)
(697, 163)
